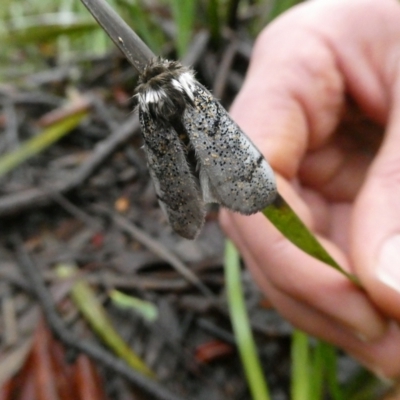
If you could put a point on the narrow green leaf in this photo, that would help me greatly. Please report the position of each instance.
(290, 225)
(40, 142)
(363, 386)
(85, 299)
(317, 372)
(241, 326)
(39, 29)
(146, 309)
(184, 17)
(214, 20)
(143, 23)
(330, 358)
(300, 357)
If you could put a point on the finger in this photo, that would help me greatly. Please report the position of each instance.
(297, 91)
(301, 276)
(380, 356)
(292, 96)
(375, 232)
(299, 313)
(376, 224)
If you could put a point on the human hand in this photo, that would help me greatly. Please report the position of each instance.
(322, 102)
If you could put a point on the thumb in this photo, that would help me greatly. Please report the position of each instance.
(375, 231)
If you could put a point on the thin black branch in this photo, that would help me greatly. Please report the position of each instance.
(157, 248)
(232, 17)
(135, 50)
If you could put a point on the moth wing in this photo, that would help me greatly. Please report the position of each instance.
(232, 170)
(177, 189)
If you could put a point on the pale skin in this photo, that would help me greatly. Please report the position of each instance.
(321, 101)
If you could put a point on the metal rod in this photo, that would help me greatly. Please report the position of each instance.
(135, 50)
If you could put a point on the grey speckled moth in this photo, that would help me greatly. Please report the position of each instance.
(196, 153)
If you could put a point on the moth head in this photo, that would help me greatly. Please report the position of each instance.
(165, 89)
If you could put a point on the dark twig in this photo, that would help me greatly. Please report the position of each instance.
(135, 50)
(232, 17)
(59, 330)
(163, 253)
(11, 133)
(35, 197)
(224, 69)
(76, 212)
(197, 48)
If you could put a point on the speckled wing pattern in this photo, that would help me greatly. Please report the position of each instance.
(232, 170)
(175, 185)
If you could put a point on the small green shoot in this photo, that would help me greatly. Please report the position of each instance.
(214, 20)
(46, 28)
(363, 386)
(317, 371)
(314, 370)
(330, 361)
(241, 326)
(184, 13)
(300, 388)
(40, 142)
(85, 299)
(146, 309)
(142, 22)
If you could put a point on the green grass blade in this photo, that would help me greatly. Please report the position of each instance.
(146, 309)
(313, 370)
(214, 20)
(48, 28)
(300, 356)
(241, 326)
(86, 301)
(290, 225)
(40, 142)
(317, 372)
(330, 358)
(362, 386)
(141, 21)
(184, 13)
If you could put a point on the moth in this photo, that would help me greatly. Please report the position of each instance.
(196, 153)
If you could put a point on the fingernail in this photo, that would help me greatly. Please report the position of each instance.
(361, 337)
(382, 377)
(388, 269)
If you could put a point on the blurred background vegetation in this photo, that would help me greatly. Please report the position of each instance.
(36, 33)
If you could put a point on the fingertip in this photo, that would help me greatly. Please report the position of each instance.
(375, 240)
(381, 356)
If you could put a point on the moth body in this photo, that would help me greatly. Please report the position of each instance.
(196, 153)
